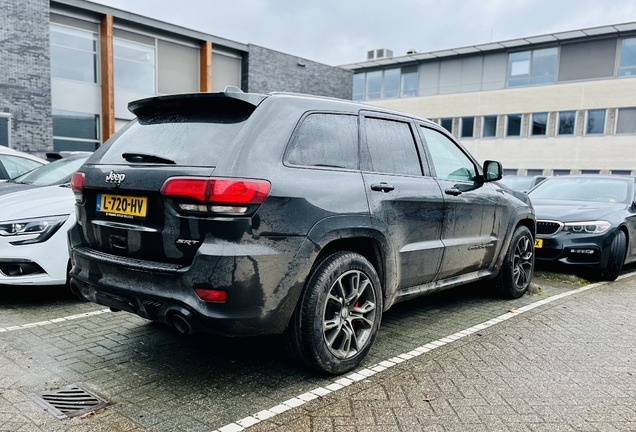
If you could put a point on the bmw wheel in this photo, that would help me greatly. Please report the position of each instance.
(616, 258)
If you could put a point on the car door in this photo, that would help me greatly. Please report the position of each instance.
(472, 226)
(404, 204)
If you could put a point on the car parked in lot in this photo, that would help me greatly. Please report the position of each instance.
(36, 211)
(249, 214)
(13, 163)
(587, 220)
(522, 183)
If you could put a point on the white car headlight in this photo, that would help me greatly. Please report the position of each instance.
(43, 227)
(593, 227)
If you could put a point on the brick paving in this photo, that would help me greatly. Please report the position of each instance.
(562, 366)
(567, 366)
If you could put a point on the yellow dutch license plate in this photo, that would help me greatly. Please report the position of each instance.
(122, 206)
(538, 243)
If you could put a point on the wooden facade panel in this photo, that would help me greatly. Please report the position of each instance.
(206, 67)
(107, 77)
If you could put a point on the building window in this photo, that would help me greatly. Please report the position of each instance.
(595, 122)
(534, 172)
(626, 123)
(532, 67)
(510, 171)
(391, 83)
(75, 131)
(73, 54)
(409, 81)
(5, 130)
(590, 171)
(539, 124)
(622, 172)
(358, 87)
(374, 85)
(513, 127)
(627, 65)
(468, 127)
(134, 66)
(490, 127)
(178, 68)
(567, 119)
(560, 172)
(447, 123)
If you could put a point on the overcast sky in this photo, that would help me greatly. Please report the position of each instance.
(338, 32)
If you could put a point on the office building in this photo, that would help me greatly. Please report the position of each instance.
(551, 104)
(70, 67)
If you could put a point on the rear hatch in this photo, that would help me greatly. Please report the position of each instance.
(123, 210)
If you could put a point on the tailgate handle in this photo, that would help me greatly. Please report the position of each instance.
(117, 242)
(382, 187)
(453, 191)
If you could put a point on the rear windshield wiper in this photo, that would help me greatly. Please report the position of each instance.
(141, 157)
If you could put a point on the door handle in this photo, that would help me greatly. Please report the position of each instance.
(382, 187)
(453, 191)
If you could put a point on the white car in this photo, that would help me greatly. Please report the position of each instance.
(33, 227)
(13, 163)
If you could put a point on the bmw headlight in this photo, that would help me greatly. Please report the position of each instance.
(43, 228)
(594, 227)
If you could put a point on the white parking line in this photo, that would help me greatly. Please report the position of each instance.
(53, 321)
(372, 370)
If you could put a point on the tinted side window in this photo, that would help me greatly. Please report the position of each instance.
(448, 160)
(392, 147)
(326, 140)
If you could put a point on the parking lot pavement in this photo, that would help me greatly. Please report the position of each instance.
(564, 365)
(569, 365)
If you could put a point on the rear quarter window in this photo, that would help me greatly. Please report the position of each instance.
(325, 140)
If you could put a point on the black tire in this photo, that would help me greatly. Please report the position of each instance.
(515, 274)
(616, 257)
(338, 314)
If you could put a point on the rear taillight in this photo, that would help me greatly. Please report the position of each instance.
(77, 186)
(216, 195)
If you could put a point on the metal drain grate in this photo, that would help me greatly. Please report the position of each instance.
(71, 401)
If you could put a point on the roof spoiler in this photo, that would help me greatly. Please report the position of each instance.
(192, 101)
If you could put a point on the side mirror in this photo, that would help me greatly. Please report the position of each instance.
(493, 171)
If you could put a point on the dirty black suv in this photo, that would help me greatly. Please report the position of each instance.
(249, 214)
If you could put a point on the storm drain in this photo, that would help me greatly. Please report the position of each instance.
(71, 401)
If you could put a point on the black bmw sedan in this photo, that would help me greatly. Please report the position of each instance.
(587, 220)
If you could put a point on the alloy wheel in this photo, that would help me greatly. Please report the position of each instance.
(348, 315)
(522, 266)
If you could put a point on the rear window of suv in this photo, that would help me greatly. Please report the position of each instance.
(189, 137)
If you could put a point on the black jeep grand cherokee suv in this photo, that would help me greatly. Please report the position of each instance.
(247, 214)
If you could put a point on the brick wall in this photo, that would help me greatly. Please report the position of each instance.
(25, 76)
(269, 70)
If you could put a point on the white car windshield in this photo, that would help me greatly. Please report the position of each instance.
(52, 173)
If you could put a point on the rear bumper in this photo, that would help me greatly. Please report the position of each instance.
(263, 282)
